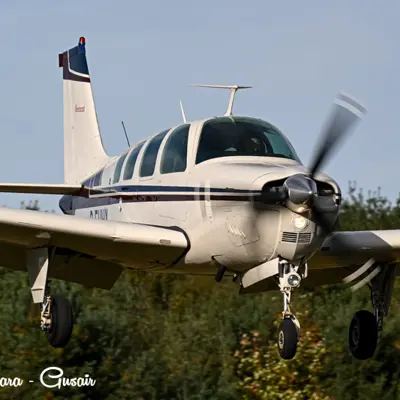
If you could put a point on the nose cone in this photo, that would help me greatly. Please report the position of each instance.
(300, 188)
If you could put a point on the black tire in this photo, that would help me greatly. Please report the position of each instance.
(363, 335)
(287, 339)
(62, 322)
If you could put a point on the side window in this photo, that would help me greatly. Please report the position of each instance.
(150, 155)
(118, 167)
(131, 161)
(88, 182)
(175, 151)
(97, 178)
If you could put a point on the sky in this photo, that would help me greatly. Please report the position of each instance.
(142, 57)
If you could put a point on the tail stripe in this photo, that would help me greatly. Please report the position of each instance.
(74, 64)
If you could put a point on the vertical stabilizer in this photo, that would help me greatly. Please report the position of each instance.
(83, 148)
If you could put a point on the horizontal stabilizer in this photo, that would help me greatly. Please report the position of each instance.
(42, 188)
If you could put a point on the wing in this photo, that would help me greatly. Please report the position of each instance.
(357, 247)
(344, 252)
(88, 251)
(340, 255)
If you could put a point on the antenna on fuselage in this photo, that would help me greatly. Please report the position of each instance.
(233, 90)
(183, 113)
(126, 135)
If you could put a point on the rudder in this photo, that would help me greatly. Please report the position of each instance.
(84, 153)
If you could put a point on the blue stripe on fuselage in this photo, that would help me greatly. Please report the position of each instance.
(150, 193)
(172, 189)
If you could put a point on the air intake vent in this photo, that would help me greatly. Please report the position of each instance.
(290, 237)
(304, 237)
(294, 237)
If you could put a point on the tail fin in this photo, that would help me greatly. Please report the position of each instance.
(83, 148)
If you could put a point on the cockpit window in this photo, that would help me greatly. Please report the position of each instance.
(227, 137)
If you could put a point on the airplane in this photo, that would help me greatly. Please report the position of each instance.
(225, 196)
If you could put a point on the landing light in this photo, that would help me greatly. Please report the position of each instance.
(299, 222)
(293, 280)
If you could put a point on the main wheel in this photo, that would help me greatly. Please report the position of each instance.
(61, 322)
(363, 335)
(287, 339)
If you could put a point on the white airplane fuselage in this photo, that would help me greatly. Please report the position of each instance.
(212, 202)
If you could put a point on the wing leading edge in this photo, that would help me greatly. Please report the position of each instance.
(349, 248)
(345, 252)
(112, 243)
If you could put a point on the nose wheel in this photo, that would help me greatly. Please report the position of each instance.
(289, 328)
(287, 339)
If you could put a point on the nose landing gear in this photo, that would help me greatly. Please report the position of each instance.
(289, 328)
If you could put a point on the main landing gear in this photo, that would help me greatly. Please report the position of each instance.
(365, 326)
(289, 328)
(56, 311)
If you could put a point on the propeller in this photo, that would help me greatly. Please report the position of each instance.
(345, 114)
(299, 192)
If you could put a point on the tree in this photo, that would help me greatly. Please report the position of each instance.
(262, 374)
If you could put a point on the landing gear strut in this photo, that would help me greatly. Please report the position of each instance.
(365, 326)
(289, 328)
(56, 318)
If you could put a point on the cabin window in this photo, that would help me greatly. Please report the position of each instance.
(97, 179)
(118, 168)
(131, 161)
(94, 180)
(88, 182)
(230, 137)
(175, 151)
(150, 154)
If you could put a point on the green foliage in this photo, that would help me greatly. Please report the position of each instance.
(360, 212)
(262, 374)
(156, 336)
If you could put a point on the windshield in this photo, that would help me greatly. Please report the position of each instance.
(227, 137)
